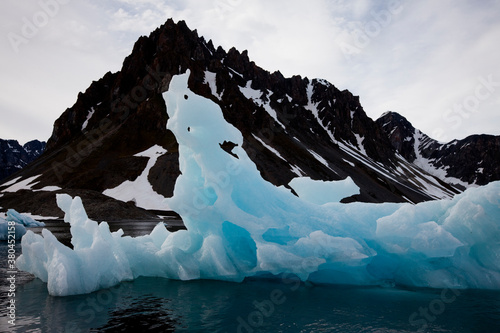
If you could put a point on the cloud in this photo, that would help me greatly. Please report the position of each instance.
(429, 57)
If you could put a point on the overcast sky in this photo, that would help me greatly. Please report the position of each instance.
(435, 62)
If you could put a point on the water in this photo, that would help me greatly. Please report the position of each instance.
(256, 305)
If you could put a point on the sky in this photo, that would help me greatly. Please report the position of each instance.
(434, 62)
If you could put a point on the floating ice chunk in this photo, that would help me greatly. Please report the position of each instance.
(240, 225)
(97, 260)
(11, 227)
(25, 220)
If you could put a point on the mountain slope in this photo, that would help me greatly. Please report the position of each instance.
(114, 139)
(14, 157)
(467, 162)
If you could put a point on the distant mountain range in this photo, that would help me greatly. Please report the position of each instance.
(14, 157)
(100, 147)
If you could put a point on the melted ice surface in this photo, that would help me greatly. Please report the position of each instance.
(240, 225)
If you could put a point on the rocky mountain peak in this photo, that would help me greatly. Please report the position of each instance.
(291, 127)
(400, 132)
(472, 160)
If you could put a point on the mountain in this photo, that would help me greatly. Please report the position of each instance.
(470, 161)
(113, 142)
(14, 157)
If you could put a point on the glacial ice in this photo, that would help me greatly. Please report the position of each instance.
(13, 215)
(19, 229)
(20, 222)
(239, 225)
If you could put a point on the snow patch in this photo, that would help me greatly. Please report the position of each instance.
(48, 189)
(313, 107)
(140, 190)
(421, 141)
(89, 115)
(359, 140)
(10, 182)
(210, 79)
(26, 184)
(320, 159)
(256, 97)
(268, 147)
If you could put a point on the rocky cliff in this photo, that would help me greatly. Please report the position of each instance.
(473, 160)
(291, 127)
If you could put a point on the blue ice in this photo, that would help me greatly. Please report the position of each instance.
(240, 225)
(27, 221)
(18, 222)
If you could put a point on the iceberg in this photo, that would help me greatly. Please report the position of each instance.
(239, 225)
(6, 229)
(19, 222)
(25, 220)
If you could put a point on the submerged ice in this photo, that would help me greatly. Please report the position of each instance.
(239, 225)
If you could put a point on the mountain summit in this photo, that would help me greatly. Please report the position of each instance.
(113, 144)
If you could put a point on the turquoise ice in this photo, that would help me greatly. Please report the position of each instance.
(239, 225)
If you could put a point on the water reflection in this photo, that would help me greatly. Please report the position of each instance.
(161, 305)
(256, 305)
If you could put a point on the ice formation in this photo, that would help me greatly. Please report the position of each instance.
(25, 220)
(6, 229)
(19, 222)
(240, 225)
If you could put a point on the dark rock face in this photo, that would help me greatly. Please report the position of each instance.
(473, 160)
(400, 132)
(291, 126)
(14, 157)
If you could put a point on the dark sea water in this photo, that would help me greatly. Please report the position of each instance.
(256, 305)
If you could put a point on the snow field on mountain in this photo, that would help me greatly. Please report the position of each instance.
(140, 190)
(239, 225)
